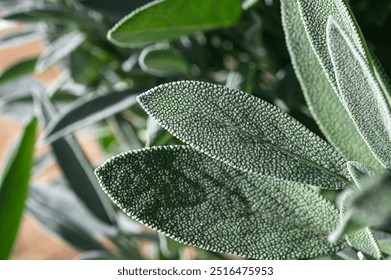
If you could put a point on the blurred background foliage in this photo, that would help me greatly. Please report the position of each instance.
(92, 95)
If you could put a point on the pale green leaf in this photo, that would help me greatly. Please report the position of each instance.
(59, 49)
(203, 202)
(358, 171)
(360, 239)
(165, 20)
(320, 95)
(85, 112)
(245, 132)
(360, 93)
(14, 184)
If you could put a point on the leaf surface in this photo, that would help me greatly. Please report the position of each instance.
(321, 95)
(165, 20)
(203, 202)
(84, 112)
(244, 132)
(360, 93)
(14, 188)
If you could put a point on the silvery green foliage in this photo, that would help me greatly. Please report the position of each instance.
(321, 95)
(245, 132)
(360, 93)
(203, 202)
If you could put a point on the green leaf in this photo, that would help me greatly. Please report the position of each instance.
(361, 239)
(320, 94)
(117, 8)
(155, 135)
(20, 68)
(165, 20)
(203, 202)
(59, 49)
(84, 112)
(57, 209)
(14, 188)
(360, 93)
(383, 78)
(244, 132)
(162, 62)
(384, 240)
(76, 169)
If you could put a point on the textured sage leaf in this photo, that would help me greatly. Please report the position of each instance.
(320, 94)
(315, 15)
(21, 68)
(84, 112)
(14, 184)
(76, 168)
(383, 78)
(360, 239)
(163, 62)
(360, 93)
(59, 49)
(165, 20)
(201, 201)
(244, 132)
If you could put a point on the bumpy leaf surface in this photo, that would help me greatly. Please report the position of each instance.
(360, 93)
(203, 202)
(244, 132)
(320, 95)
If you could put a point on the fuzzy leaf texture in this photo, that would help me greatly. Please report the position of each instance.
(166, 20)
(360, 93)
(203, 202)
(245, 132)
(320, 94)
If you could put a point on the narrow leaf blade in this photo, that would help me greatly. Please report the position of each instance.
(14, 188)
(203, 202)
(244, 132)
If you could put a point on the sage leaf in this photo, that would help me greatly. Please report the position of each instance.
(165, 20)
(203, 202)
(361, 239)
(245, 132)
(360, 93)
(14, 184)
(59, 49)
(320, 94)
(21, 68)
(84, 112)
(76, 168)
(384, 240)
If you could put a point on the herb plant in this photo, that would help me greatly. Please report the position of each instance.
(251, 180)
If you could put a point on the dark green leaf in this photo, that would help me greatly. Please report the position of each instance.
(84, 112)
(201, 201)
(14, 188)
(245, 132)
(165, 20)
(21, 68)
(77, 170)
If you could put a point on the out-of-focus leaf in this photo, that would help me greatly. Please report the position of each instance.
(59, 49)
(247, 4)
(320, 94)
(117, 8)
(384, 240)
(360, 93)
(97, 255)
(21, 68)
(60, 211)
(86, 112)
(14, 184)
(126, 134)
(165, 20)
(24, 36)
(156, 135)
(201, 201)
(245, 132)
(77, 170)
(163, 62)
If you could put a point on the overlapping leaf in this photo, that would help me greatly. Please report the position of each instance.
(360, 93)
(245, 132)
(203, 202)
(320, 94)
